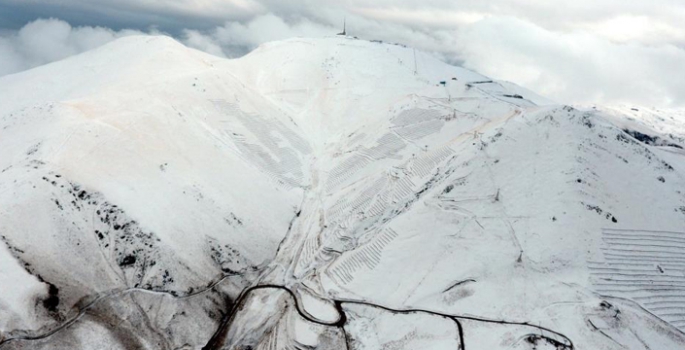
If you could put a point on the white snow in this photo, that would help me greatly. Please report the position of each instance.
(344, 170)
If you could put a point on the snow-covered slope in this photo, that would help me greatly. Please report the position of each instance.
(329, 193)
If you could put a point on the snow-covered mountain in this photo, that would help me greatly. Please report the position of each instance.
(329, 194)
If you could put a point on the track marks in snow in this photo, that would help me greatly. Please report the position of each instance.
(646, 266)
(425, 163)
(408, 126)
(367, 257)
(271, 145)
(342, 172)
(414, 116)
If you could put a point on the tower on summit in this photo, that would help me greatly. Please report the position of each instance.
(343, 32)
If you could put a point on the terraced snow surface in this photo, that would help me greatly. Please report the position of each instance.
(327, 194)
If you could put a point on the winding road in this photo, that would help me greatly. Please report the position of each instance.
(218, 340)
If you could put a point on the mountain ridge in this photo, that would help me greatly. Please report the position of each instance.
(332, 168)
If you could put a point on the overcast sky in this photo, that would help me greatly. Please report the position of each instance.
(573, 51)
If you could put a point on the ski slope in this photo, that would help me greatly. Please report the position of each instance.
(330, 193)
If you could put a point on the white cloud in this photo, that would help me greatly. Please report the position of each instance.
(235, 38)
(46, 40)
(583, 51)
(10, 60)
(577, 67)
(202, 42)
(268, 28)
(642, 29)
(432, 18)
(582, 65)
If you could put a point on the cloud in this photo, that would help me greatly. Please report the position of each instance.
(46, 40)
(578, 67)
(602, 62)
(169, 15)
(637, 28)
(583, 51)
(201, 41)
(235, 38)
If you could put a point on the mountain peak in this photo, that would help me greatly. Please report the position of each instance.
(317, 191)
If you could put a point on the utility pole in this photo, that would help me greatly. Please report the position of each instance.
(416, 70)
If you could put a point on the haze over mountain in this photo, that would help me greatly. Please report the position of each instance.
(329, 194)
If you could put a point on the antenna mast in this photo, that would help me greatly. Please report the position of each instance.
(344, 32)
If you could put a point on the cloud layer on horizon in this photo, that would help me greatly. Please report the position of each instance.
(46, 40)
(591, 54)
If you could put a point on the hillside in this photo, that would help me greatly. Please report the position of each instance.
(326, 194)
